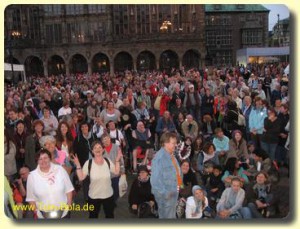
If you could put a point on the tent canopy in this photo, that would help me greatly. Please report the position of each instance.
(16, 68)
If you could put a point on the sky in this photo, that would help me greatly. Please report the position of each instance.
(275, 9)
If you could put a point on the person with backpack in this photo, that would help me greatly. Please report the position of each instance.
(99, 170)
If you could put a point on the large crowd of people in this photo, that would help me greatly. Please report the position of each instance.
(200, 143)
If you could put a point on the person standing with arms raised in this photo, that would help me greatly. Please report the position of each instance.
(166, 177)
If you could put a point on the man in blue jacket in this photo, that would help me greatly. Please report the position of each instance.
(166, 177)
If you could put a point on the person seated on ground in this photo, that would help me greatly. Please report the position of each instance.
(238, 147)
(196, 204)
(140, 190)
(233, 169)
(207, 158)
(230, 205)
(215, 186)
(260, 197)
(189, 179)
(263, 163)
(141, 137)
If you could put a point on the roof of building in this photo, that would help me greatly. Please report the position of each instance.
(235, 8)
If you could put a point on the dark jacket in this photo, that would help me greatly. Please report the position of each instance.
(271, 134)
(140, 192)
(83, 147)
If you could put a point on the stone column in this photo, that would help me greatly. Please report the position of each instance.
(45, 64)
(111, 70)
(90, 68)
(67, 66)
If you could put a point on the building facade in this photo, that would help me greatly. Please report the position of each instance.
(232, 27)
(54, 39)
(64, 39)
(280, 35)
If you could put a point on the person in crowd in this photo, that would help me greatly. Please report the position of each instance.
(190, 127)
(192, 102)
(140, 190)
(20, 136)
(247, 107)
(233, 169)
(231, 117)
(260, 92)
(197, 147)
(207, 105)
(98, 128)
(189, 179)
(215, 186)
(260, 197)
(208, 127)
(32, 144)
(92, 112)
(178, 124)
(221, 142)
(12, 120)
(111, 151)
(276, 94)
(22, 181)
(196, 204)
(271, 131)
(263, 163)
(281, 152)
(165, 124)
(82, 148)
(58, 156)
(166, 177)
(50, 122)
(238, 147)
(141, 142)
(256, 121)
(230, 205)
(207, 158)
(64, 138)
(49, 184)
(99, 170)
(115, 134)
(64, 110)
(141, 113)
(236, 98)
(110, 113)
(178, 95)
(144, 97)
(117, 102)
(10, 168)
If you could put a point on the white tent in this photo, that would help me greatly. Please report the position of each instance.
(287, 70)
(16, 68)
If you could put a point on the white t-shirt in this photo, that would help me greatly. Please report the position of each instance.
(48, 189)
(100, 185)
(113, 134)
(191, 208)
(64, 111)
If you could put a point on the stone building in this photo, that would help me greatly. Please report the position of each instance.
(55, 39)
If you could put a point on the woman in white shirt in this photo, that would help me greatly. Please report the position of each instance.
(196, 204)
(100, 188)
(49, 188)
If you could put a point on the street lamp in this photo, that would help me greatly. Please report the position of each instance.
(14, 35)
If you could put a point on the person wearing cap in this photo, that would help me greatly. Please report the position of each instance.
(140, 190)
(117, 102)
(196, 203)
(32, 144)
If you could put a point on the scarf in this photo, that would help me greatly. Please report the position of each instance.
(49, 176)
(179, 180)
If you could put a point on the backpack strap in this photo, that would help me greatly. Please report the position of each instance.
(90, 166)
(107, 161)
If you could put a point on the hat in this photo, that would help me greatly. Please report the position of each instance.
(143, 168)
(191, 86)
(89, 92)
(236, 131)
(196, 187)
(115, 93)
